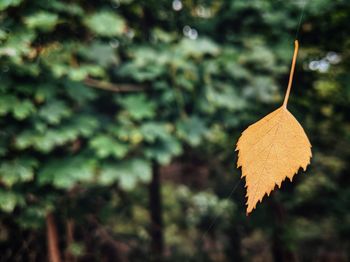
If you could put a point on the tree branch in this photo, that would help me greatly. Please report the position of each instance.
(113, 87)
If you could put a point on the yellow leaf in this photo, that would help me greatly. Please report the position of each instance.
(271, 150)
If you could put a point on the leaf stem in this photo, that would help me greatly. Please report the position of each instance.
(296, 48)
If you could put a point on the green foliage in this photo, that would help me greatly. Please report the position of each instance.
(44, 21)
(7, 3)
(9, 200)
(106, 146)
(191, 130)
(105, 23)
(19, 109)
(138, 107)
(127, 173)
(54, 112)
(66, 173)
(21, 170)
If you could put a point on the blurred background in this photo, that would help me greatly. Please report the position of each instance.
(119, 118)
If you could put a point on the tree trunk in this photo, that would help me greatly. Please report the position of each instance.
(52, 239)
(156, 230)
(69, 257)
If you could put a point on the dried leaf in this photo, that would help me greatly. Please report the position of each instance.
(272, 149)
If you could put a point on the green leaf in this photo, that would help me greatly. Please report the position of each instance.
(9, 200)
(24, 140)
(191, 130)
(101, 53)
(127, 132)
(7, 3)
(66, 173)
(198, 48)
(22, 109)
(127, 173)
(80, 73)
(20, 170)
(141, 73)
(54, 111)
(154, 130)
(45, 141)
(6, 104)
(85, 125)
(223, 96)
(44, 21)
(138, 106)
(79, 92)
(164, 150)
(107, 146)
(17, 46)
(147, 64)
(162, 35)
(45, 92)
(105, 23)
(72, 8)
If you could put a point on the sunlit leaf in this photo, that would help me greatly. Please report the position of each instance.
(105, 23)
